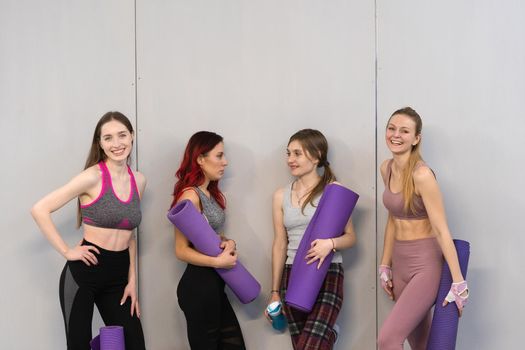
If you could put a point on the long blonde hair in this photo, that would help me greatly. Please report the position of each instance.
(415, 156)
(314, 142)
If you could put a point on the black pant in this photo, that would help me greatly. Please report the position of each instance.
(210, 319)
(82, 286)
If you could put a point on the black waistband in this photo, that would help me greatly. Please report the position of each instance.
(105, 252)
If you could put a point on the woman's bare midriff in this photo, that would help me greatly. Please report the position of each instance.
(407, 230)
(108, 238)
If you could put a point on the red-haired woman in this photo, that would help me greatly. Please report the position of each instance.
(211, 321)
(101, 269)
(416, 238)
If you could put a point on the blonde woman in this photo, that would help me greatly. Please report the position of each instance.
(416, 238)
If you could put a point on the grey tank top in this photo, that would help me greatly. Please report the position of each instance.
(296, 221)
(212, 211)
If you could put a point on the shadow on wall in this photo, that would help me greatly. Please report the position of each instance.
(250, 227)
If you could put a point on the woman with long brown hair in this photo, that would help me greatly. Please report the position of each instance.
(416, 238)
(101, 268)
(293, 207)
(211, 321)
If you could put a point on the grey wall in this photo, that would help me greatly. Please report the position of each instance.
(461, 66)
(62, 65)
(255, 72)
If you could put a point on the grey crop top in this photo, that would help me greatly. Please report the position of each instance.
(295, 222)
(109, 211)
(212, 211)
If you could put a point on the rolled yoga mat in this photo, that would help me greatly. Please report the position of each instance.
(109, 338)
(196, 228)
(329, 220)
(444, 329)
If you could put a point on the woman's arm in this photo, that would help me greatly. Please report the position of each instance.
(55, 200)
(320, 248)
(347, 239)
(388, 243)
(428, 189)
(131, 287)
(280, 242)
(279, 247)
(385, 268)
(132, 274)
(185, 252)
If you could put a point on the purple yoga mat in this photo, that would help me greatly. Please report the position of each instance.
(110, 338)
(196, 228)
(329, 220)
(444, 329)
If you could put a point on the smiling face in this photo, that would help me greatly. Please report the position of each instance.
(116, 140)
(299, 160)
(401, 134)
(213, 163)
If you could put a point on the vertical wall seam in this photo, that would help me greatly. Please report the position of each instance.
(376, 167)
(136, 83)
(137, 263)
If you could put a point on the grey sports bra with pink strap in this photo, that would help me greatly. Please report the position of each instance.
(109, 211)
(394, 202)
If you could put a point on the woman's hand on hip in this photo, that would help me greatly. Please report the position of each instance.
(84, 253)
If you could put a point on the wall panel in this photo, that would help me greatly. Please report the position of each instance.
(254, 72)
(461, 67)
(62, 65)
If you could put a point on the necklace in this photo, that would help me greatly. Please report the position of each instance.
(298, 197)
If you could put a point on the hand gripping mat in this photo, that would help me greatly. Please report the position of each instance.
(196, 228)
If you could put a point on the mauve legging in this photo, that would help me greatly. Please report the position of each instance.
(416, 269)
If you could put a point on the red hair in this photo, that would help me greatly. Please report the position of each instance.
(190, 174)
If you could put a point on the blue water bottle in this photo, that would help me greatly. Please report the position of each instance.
(276, 314)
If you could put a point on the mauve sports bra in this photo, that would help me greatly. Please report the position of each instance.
(109, 211)
(394, 202)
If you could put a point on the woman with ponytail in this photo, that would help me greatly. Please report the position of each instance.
(293, 208)
(211, 321)
(416, 238)
(101, 268)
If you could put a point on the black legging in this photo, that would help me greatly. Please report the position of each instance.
(210, 319)
(82, 286)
